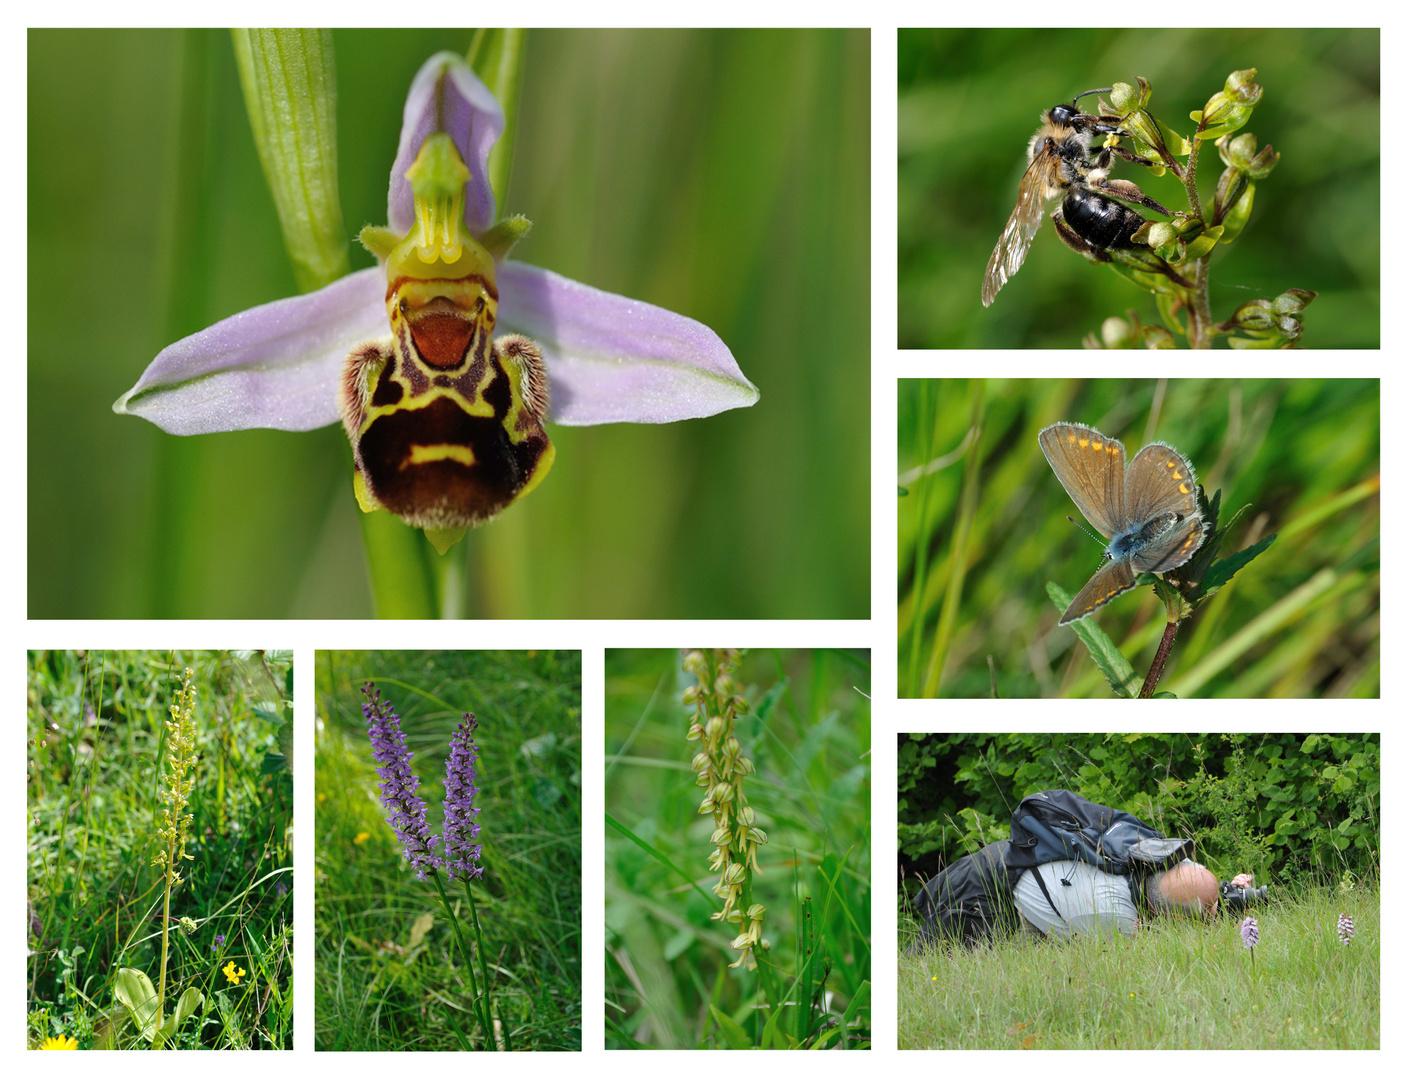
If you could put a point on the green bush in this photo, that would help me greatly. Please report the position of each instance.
(1283, 806)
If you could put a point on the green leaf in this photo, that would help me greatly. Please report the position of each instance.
(769, 700)
(188, 1003)
(735, 1035)
(665, 859)
(273, 763)
(137, 993)
(290, 92)
(497, 58)
(1221, 571)
(1117, 670)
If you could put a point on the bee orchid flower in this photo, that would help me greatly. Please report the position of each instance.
(444, 361)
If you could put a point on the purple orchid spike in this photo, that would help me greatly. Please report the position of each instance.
(461, 860)
(608, 359)
(1250, 934)
(399, 783)
(1345, 928)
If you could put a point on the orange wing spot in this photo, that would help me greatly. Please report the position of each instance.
(1183, 489)
(1083, 443)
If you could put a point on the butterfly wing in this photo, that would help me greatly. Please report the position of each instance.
(1160, 485)
(1091, 469)
(1109, 581)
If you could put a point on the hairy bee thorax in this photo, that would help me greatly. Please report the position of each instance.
(446, 424)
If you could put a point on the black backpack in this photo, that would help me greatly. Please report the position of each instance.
(1060, 824)
(969, 900)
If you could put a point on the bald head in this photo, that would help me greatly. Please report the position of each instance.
(1187, 887)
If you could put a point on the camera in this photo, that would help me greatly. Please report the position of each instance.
(1235, 898)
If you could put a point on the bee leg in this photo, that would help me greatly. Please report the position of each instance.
(1074, 242)
(1129, 156)
(1123, 189)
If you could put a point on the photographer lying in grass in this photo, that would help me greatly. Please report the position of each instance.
(1085, 899)
(1071, 866)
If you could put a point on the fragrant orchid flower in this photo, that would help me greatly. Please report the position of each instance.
(461, 860)
(399, 782)
(446, 421)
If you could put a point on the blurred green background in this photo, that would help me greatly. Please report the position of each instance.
(1301, 620)
(724, 175)
(969, 100)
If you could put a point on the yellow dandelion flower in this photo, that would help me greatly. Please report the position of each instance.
(361, 838)
(234, 974)
(60, 1042)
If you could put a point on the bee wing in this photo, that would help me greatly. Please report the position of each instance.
(1034, 192)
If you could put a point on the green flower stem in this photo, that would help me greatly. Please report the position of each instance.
(449, 573)
(480, 1008)
(484, 965)
(165, 932)
(398, 560)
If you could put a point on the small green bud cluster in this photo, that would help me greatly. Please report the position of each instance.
(719, 769)
(173, 823)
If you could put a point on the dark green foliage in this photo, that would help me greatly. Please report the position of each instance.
(389, 973)
(96, 724)
(668, 983)
(1285, 807)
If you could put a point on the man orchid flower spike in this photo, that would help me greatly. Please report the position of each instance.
(445, 419)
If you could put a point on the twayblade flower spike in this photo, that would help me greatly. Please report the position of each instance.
(445, 421)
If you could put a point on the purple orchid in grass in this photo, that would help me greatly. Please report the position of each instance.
(399, 782)
(461, 852)
(446, 420)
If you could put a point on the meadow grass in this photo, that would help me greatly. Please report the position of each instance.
(389, 972)
(96, 730)
(1177, 984)
(983, 531)
(668, 979)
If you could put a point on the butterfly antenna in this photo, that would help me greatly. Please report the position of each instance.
(1085, 529)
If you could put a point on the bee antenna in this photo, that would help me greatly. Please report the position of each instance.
(1087, 93)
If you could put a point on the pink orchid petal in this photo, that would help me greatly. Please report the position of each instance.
(274, 366)
(447, 96)
(615, 360)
